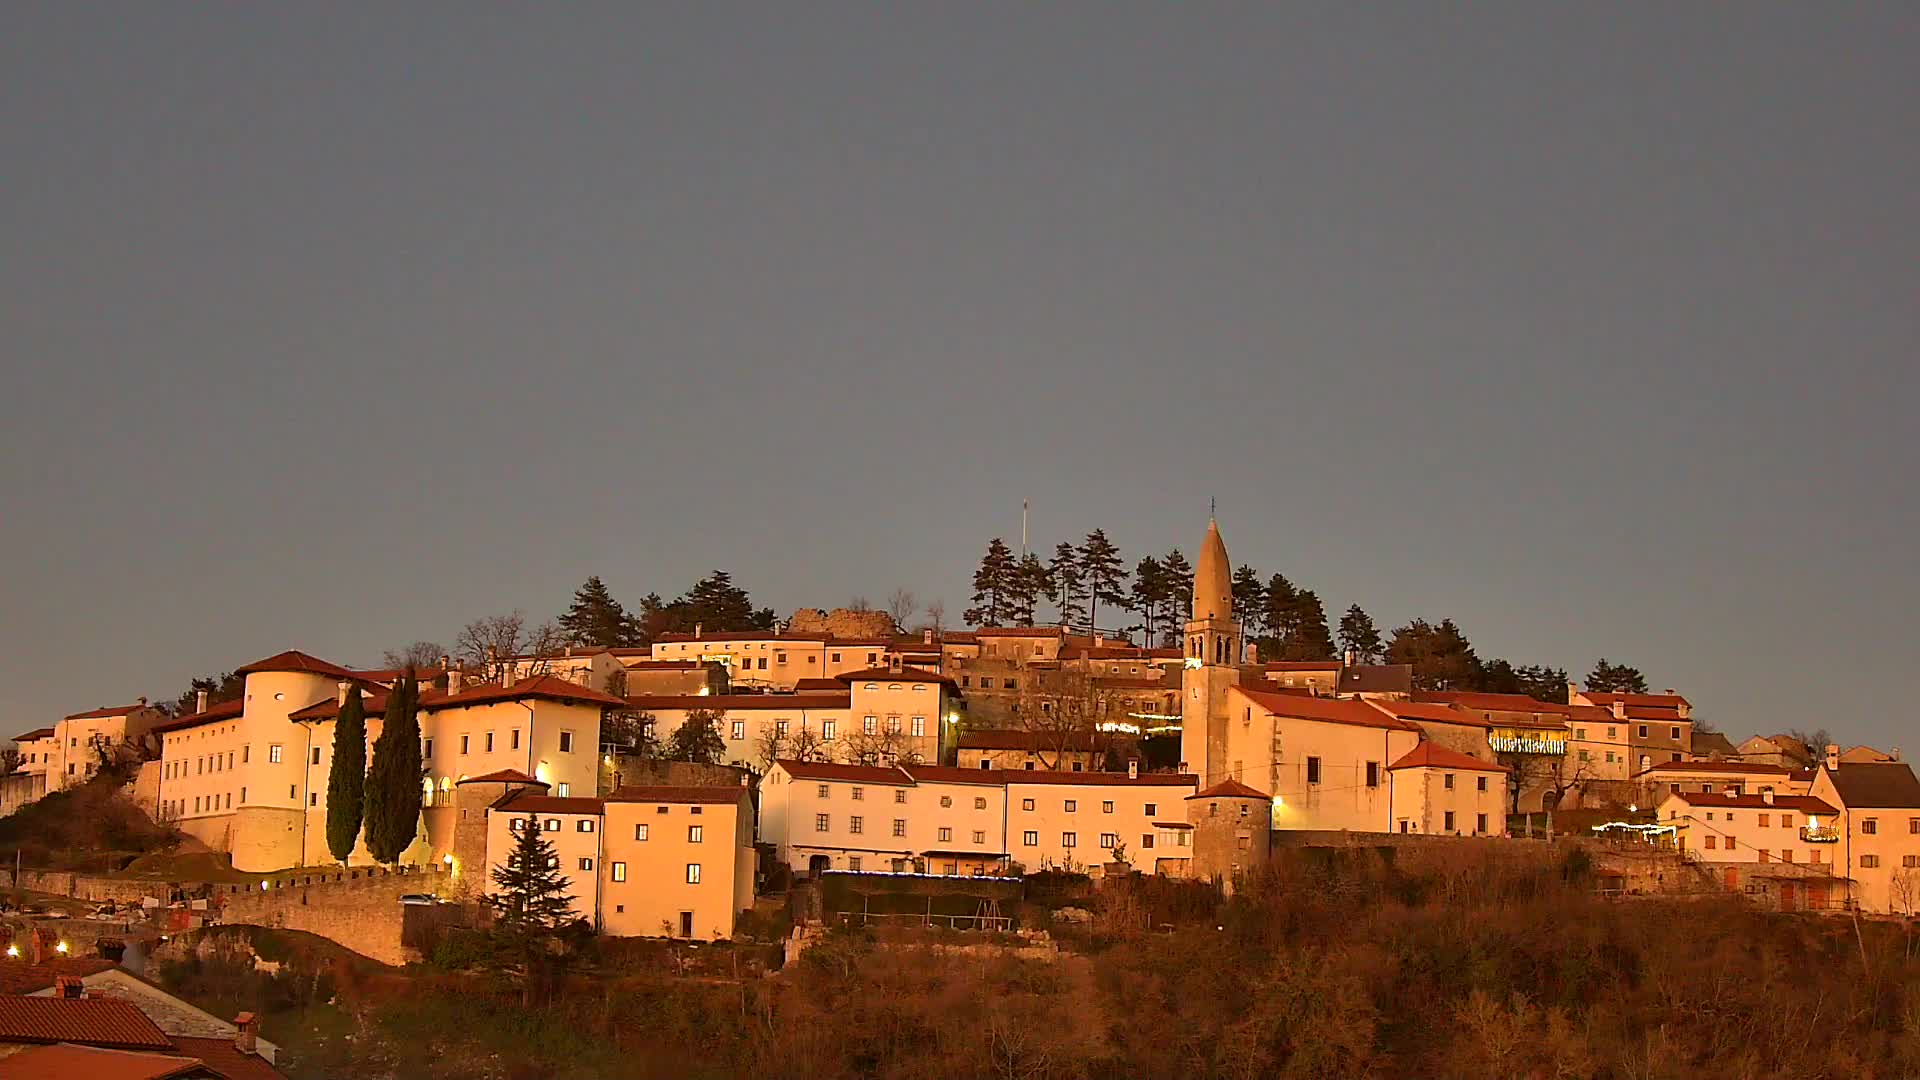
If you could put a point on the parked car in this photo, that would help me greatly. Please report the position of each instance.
(416, 899)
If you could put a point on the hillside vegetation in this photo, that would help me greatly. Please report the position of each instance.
(1333, 967)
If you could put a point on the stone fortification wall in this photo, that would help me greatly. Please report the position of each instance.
(841, 623)
(358, 908)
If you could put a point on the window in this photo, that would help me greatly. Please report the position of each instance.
(823, 791)
(739, 730)
(1786, 854)
(870, 725)
(1012, 684)
(1313, 770)
(1068, 839)
(856, 825)
(919, 725)
(563, 789)
(1910, 860)
(1869, 826)
(1106, 806)
(464, 740)
(1146, 840)
(1786, 821)
(1373, 774)
(1072, 806)
(980, 802)
(853, 861)
(946, 835)
(426, 748)
(899, 826)
(821, 822)
(619, 871)
(1026, 804)
(979, 836)
(1764, 822)
(273, 753)
(1109, 841)
(946, 800)
(899, 795)
(566, 742)
(586, 864)
(827, 729)
(489, 742)
(313, 798)
(1446, 781)
(986, 682)
(553, 862)
(695, 833)
(1152, 809)
(1730, 843)
(1913, 824)
(552, 825)
(640, 831)
(1643, 731)
(1480, 783)
(859, 794)
(514, 742)
(583, 825)
(1449, 824)
(780, 728)
(1613, 733)
(1869, 862)
(893, 725)
(1676, 733)
(693, 874)
(1580, 734)
(661, 809)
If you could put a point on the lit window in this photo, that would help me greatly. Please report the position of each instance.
(1030, 838)
(739, 729)
(899, 826)
(566, 742)
(640, 831)
(856, 825)
(586, 864)
(1106, 806)
(946, 834)
(273, 753)
(1109, 841)
(870, 725)
(583, 825)
(823, 791)
(552, 825)
(619, 871)
(695, 833)
(919, 724)
(1068, 840)
(821, 822)
(827, 729)
(693, 873)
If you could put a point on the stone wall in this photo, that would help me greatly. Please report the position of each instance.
(358, 907)
(647, 772)
(85, 886)
(841, 623)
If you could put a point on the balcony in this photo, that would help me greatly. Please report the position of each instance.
(1820, 834)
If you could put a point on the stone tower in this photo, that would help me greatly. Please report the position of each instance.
(1232, 832)
(1212, 663)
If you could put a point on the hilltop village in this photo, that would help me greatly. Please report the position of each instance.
(992, 751)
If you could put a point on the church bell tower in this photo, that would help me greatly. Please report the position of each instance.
(1212, 650)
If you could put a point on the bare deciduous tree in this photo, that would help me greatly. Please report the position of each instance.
(901, 604)
(418, 655)
(1066, 711)
(859, 603)
(936, 619)
(491, 642)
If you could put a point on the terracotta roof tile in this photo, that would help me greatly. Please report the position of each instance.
(740, 635)
(1329, 710)
(1493, 702)
(1718, 767)
(1099, 779)
(545, 687)
(65, 1061)
(1301, 665)
(226, 1059)
(528, 803)
(503, 776)
(740, 702)
(681, 793)
(19, 978)
(1879, 785)
(1230, 789)
(295, 660)
(1431, 713)
(1431, 755)
(905, 674)
(105, 711)
(35, 734)
(93, 1021)
(1660, 701)
(1806, 804)
(1004, 739)
(226, 710)
(829, 770)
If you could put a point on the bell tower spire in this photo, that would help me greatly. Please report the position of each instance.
(1212, 650)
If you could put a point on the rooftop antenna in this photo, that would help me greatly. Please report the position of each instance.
(1211, 507)
(1023, 530)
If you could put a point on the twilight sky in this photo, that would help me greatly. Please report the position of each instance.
(1592, 330)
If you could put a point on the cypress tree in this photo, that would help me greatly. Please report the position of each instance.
(346, 784)
(393, 783)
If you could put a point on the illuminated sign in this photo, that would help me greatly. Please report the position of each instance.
(1528, 741)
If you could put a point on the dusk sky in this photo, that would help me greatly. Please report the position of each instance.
(1594, 330)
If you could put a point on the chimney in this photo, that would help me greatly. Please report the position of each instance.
(1833, 757)
(1573, 692)
(926, 636)
(1893, 754)
(507, 674)
(143, 701)
(344, 686)
(1133, 769)
(1253, 653)
(246, 1028)
(200, 701)
(1619, 709)
(894, 662)
(69, 986)
(697, 628)
(1347, 658)
(1766, 795)
(1671, 692)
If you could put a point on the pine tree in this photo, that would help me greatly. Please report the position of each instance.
(346, 781)
(715, 603)
(1149, 594)
(1308, 639)
(993, 584)
(597, 619)
(1028, 587)
(1180, 585)
(529, 893)
(1064, 575)
(393, 783)
(1441, 656)
(1249, 601)
(1279, 616)
(1606, 678)
(1104, 575)
(1358, 634)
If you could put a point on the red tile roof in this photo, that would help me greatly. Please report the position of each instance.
(1806, 804)
(22, 978)
(65, 1061)
(947, 774)
(93, 1021)
(663, 665)
(226, 710)
(226, 1059)
(1301, 665)
(1230, 789)
(528, 803)
(830, 770)
(741, 635)
(1431, 713)
(1431, 755)
(1329, 710)
(1493, 702)
(1666, 716)
(294, 660)
(682, 793)
(105, 711)
(1128, 682)
(1005, 739)
(544, 687)
(1020, 631)
(740, 702)
(905, 674)
(831, 686)
(1659, 701)
(1100, 779)
(503, 776)
(1718, 767)
(36, 733)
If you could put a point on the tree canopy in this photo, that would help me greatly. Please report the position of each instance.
(393, 793)
(1609, 678)
(597, 619)
(346, 777)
